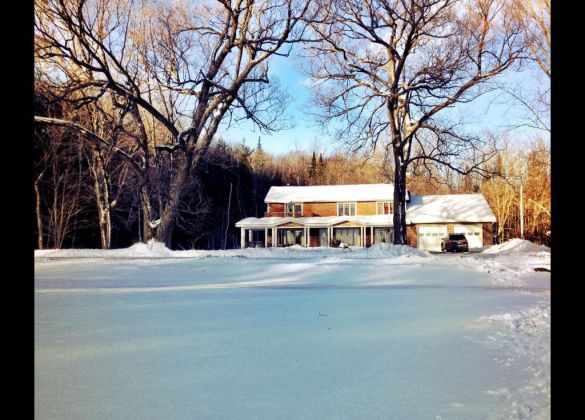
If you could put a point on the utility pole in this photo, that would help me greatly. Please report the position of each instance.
(228, 219)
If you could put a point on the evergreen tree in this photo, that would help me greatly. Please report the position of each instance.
(313, 171)
(320, 169)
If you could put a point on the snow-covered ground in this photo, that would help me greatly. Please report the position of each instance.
(388, 332)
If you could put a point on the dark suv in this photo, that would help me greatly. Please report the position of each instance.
(454, 242)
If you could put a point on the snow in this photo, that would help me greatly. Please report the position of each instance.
(155, 250)
(264, 222)
(382, 332)
(154, 223)
(454, 208)
(516, 245)
(330, 193)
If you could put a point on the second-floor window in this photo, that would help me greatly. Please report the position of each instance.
(384, 207)
(293, 210)
(346, 209)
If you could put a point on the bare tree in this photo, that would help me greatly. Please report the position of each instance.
(389, 71)
(533, 17)
(179, 69)
(58, 188)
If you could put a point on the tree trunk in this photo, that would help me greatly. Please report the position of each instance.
(146, 213)
(164, 231)
(168, 215)
(102, 197)
(399, 218)
(187, 165)
(38, 209)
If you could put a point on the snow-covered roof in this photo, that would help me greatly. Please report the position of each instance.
(267, 222)
(331, 193)
(449, 208)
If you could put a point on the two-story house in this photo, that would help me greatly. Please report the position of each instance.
(361, 215)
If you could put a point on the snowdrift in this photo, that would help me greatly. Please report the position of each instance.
(516, 245)
(158, 250)
(385, 250)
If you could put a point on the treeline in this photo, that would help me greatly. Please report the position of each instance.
(88, 196)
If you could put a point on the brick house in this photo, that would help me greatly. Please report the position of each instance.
(361, 215)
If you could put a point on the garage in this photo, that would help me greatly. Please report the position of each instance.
(473, 233)
(429, 237)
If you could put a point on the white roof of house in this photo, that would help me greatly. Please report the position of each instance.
(465, 208)
(454, 208)
(331, 193)
(266, 222)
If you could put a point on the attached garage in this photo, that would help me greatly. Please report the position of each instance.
(430, 237)
(473, 233)
(434, 216)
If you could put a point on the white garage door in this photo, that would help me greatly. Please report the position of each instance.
(429, 237)
(473, 233)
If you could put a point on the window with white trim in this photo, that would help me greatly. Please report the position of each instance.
(293, 210)
(346, 209)
(384, 207)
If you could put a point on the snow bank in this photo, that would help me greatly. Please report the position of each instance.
(158, 250)
(153, 249)
(516, 245)
(385, 250)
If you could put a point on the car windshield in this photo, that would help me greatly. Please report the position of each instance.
(457, 237)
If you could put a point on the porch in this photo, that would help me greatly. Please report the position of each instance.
(311, 233)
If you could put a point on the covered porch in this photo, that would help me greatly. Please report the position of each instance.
(360, 231)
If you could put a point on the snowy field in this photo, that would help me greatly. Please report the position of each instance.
(381, 333)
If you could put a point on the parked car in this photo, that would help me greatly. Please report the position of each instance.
(454, 242)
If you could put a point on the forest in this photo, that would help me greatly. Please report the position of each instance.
(129, 100)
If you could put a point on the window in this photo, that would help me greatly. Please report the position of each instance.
(346, 209)
(384, 207)
(350, 236)
(383, 235)
(288, 237)
(293, 210)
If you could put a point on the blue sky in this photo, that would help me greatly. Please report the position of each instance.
(303, 135)
(492, 111)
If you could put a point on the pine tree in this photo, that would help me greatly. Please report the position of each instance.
(313, 171)
(321, 170)
(259, 146)
(259, 158)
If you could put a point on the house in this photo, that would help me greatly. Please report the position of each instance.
(361, 215)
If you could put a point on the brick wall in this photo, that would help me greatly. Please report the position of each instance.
(488, 238)
(364, 208)
(411, 238)
(319, 209)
